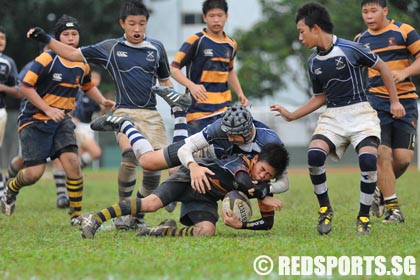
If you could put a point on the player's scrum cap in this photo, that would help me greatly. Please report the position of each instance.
(237, 120)
(65, 22)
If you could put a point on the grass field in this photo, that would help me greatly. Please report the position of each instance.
(37, 242)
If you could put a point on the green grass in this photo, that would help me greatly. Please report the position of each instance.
(37, 242)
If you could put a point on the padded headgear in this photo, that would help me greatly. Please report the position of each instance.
(63, 23)
(237, 120)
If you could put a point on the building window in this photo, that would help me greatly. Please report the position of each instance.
(191, 18)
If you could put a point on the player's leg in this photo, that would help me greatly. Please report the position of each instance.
(148, 158)
(367, 151)
(65, 148)
(89, 149)
(3, 122)
(90, 222)
(317, 155)
(198, 212)
(395, 155)
(34, 156)
(60, 184)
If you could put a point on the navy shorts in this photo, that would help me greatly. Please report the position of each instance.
(46, 140)
(397, 133)
(196, 207)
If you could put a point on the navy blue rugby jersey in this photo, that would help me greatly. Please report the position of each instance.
(134, 69)
(85, 108)
(339, 72)
(8, 75)
(223, 147)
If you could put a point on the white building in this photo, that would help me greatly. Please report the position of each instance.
(172, 21)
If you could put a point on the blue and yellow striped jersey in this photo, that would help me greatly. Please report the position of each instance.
(208, 61)
(57, 81)
(396, 44)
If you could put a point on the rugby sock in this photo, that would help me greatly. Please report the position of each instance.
(75, 193)
(60, 182)
(1, 184)
(126, 181)
(368, 178)
(18, 182)
(391, 202)
(180, 127)
(85, 159)
(151, 180)
(139, 144)
(179, 232)
(12, 170)
(316, 163)
(127, 207)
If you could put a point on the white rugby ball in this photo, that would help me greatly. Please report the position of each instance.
(238, 203)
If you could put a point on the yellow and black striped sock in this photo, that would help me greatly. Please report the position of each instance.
(75, 193)
(18, 182)
(179, 232)
(392, 204)
(130, 206)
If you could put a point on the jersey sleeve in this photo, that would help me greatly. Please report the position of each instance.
(37, 68)
(187, 52)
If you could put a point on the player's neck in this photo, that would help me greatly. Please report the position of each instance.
(327, 43)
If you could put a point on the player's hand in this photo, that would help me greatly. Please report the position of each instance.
(199, 180)
(397, 110)
(281, 112)
(272, 202)
(198, 92)
(55, 114)
(39, 34)
(260, 190)
(109, 104)
(399, 76)
(243, 100)
(230, 219)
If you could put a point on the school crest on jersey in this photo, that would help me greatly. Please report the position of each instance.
(339, 63)
(150, 56)
(3, 69)
(392, 41)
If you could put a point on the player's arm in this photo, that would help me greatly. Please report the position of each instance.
(397, 109)
(266, 221)
(198, 91)
(281, 184)
(66, 51)
(54, 113)
(198, 174)
(13, 91)
(410, 71)
(316, 102)
(236, 86)
(96, 95)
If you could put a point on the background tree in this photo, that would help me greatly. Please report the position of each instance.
(270, 55)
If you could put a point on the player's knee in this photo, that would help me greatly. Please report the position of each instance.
(316, 157)
(400, 168)
(129, 157)
(151, 203)
(367, 162)
(204, 228)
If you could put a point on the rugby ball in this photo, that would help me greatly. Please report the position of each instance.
(239, 204)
